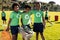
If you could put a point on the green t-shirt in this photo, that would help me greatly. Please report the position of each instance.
(3, 14)
(37, 16)
(14, 18)
(25, 18)
(46, 15)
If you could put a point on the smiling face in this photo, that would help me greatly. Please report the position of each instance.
(16, 8)
(37, 6)
(27, 9)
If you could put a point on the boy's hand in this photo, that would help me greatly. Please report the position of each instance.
(44, 26)
(7, 29)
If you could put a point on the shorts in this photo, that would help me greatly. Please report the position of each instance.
(38, 27)
(46, 18)
(14, 30)
(3, 18)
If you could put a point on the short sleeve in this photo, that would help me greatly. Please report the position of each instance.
(11, 15)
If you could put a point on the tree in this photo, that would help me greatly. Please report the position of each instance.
(51, 2)
(52, 5)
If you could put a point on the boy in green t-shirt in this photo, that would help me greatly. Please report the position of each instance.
(25, 17)
(39, 21)
(3, 15)
(47, 16)
(14, 21)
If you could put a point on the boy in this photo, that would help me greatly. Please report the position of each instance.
(3, 15)
(25, 17)
(39, 22)
(14, 21)
(46, 16)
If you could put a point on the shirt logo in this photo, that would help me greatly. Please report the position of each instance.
(26, 16)
(38, 14)
(18, 16)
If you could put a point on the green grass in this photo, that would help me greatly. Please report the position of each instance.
(50, 33)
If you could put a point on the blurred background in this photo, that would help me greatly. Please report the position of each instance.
(52, 5)
(50, 33)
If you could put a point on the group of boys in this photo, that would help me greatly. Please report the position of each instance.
(38, 26)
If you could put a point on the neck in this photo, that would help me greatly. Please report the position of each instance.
(16, 11)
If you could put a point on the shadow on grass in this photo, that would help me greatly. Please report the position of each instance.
(57, 22)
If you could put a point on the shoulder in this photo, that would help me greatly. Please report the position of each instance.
(22, 14)
(41, 11)
(32, 10)
(2, 12)
(12, 13)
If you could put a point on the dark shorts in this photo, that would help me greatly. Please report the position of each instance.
(46, 18)
(38, 27)
(14, 29)
(3, 18)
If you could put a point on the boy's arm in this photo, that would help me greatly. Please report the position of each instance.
(11, 17)
(21, 22)
(43, 20)
(8, 25)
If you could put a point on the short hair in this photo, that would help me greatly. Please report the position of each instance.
(38, 3)
(14, 4)
(27, 6)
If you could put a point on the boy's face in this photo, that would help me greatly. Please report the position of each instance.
(37, 6)
(16, 8)
(27, 9)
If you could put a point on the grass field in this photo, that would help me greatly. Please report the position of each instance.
(50, 33)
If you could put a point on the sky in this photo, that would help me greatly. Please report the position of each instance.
(56, 1)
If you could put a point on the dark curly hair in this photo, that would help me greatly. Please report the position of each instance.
(27, 6)
(14, 4)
